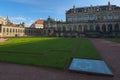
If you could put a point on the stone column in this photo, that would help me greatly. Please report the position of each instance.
(77, 28)
(94, 27)
(82, 28)
(101, 28)
(88, 27)
(72, 27)
(119, 27)
(113, 27)
(107, 28)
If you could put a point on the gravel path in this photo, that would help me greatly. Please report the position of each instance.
(3, 40)
(109, 51)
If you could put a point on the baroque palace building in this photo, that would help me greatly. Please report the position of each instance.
(8, 29)
(36, 28)
(93, 21)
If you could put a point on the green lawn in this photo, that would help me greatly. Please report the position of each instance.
(115, 40)
(48, 52)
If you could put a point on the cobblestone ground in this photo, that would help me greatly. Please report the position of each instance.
(109, 51)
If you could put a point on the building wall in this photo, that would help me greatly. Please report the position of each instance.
(9, 31)
(102, 20)
(34, 32)
(39, 26)
(2, 21)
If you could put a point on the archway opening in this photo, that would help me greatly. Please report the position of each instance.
(64, 28)
(85, 28)
(91, 28)
(74, 28)
(103, 28)
(116, 27)
(110, 28)
(97, 28)
(80, 28)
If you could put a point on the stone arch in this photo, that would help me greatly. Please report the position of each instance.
(110, 29)
(74, 28)
(85, 28)
(10, 30)
(59, 28)
(116, 27)
(0, 29)
(91, 27)
(70, 28)
(103, 28)
(13, 30)
(7, 29)
(80, 28)
(64, 28)
(97, 28)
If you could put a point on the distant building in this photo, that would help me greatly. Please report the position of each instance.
(38, 24)
(8, 29)
(93, 21)
(34, 31)
(49, 27)
(4, 21)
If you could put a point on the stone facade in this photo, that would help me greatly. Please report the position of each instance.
(93, 21)
(8, 29)
(38, 24)
(34, 32)
(49, 27)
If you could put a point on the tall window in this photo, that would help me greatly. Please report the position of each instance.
(64, 28)
(0, 28)
(7, 29)
(3, 29)
(13, 30)
(75, 28)
(91, 17)
(85, 17)
(116, 27)
(80, 28)
(59, 29)
(97, 28)
(80, 18)
(75, 18)
(103, 28)
(91, 27)
(16, 30)
(104, 16)
(116, 16)
(110, 16)
(70, 19)
(85, 28)
(110, 28)
(97, 16)
(10, 30)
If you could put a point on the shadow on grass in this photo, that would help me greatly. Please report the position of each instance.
(55, 52)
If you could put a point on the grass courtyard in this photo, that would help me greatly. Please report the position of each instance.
(115, 40)
(48, 52)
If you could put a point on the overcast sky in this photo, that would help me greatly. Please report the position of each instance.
(30, 10)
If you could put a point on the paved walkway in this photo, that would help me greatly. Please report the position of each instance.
(3, 40)
(108, 50)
